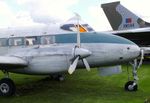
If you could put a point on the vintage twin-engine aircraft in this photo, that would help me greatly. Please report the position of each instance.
(46, 53)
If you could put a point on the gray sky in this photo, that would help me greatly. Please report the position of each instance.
(36, 12)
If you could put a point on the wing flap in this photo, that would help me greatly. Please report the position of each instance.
(7, 62)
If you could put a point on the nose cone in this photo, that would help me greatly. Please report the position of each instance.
(132, 52)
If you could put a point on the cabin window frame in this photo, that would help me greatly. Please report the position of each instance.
(3, 43)
(32, 40)
(14, 42)
(49, 39)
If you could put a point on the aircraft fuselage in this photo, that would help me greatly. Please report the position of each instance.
(56, 56)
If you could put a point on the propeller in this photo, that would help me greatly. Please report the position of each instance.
(79, 53)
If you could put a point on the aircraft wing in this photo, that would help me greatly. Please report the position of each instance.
(137, 30)
(139, 36)
(8, 62)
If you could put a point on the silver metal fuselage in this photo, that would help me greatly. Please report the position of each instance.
(56, 58)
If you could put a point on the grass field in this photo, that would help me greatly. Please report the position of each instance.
(81, 87)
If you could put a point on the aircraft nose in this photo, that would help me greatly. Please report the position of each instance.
(130, 52)
(133, 51)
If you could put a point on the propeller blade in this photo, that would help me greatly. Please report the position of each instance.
(73, 66)
(78, 30)
(86, 64)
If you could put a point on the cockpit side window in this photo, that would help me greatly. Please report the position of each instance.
(3, 42)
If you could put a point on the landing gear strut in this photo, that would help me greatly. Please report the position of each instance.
(7, 86)
(132, 85)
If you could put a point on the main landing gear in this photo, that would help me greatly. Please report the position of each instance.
(7, 86)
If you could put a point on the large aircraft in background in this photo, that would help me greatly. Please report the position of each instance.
(126, 24)
(43, 52)
(121, 18)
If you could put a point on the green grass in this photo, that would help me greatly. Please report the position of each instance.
(81, 87)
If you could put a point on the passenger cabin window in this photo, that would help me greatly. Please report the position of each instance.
(45, 40)
(3, 42)
(16, 41)
(32, 40)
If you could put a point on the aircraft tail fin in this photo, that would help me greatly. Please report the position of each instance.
(121, 18)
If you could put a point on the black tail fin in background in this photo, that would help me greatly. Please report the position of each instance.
(121, 18)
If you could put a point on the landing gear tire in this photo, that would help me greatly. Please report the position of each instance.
(7, 87)
(131, 86)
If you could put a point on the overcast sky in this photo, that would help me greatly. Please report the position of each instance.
(36, 12)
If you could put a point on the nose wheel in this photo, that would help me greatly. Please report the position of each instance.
(131, 86)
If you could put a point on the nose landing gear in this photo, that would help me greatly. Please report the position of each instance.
(132, 85)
